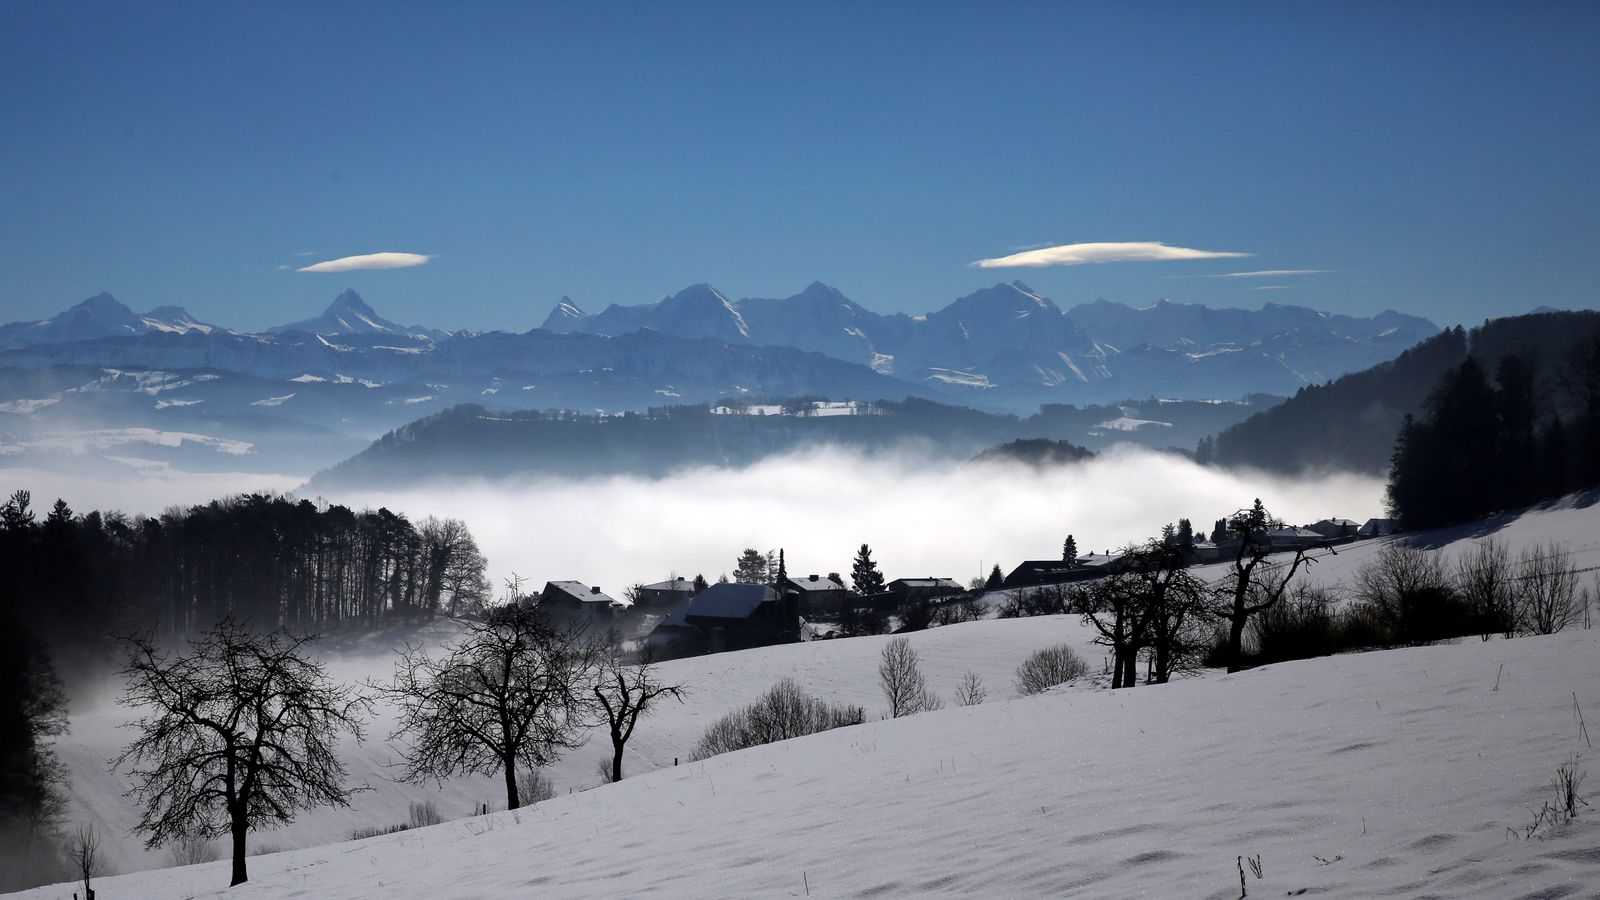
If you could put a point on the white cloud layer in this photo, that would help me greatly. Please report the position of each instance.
(1262, 273)
(922, 517)
(1107, 252)
(368, 261)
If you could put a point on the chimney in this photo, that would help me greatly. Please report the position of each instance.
(595, 589)
(813, 578)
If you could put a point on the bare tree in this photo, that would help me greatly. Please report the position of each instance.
(453, 567)
(1255, 582)
(625, 693)
(900, 675)
(512, 689)
(85, 853)
(533, 787)
(1044, 669)
(1407, 590)
(1121, 608)
(970, 691)
(236, 734)
(1487, 584)
(1547, 585)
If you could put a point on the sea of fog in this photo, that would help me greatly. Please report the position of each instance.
(922, 517)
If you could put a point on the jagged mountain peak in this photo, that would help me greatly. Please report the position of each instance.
(350, 301)
(565, 316)
(102, 304)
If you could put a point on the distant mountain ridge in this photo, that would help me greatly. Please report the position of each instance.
(1004, 348)
(1021, 349)
(100, 316)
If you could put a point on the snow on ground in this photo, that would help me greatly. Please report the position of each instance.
(1401, 772)
(1573, 522)
(1392, 773)
(843, 671)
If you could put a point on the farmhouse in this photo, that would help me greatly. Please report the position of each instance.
(728, 617)
(819, 596)
(574, 601)
(924, 588)
(664, 596)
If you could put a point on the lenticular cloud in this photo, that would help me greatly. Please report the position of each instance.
(387, 260)
(1104, 252)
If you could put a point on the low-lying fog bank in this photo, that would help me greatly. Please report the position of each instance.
(921, 517)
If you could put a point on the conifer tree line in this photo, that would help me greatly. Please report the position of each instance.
(1486, 442)
(269, 560)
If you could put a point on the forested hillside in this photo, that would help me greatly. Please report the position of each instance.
(1351, 423)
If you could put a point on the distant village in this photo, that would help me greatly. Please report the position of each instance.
(682, 617)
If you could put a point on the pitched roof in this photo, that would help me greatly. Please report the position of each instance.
(675, 584)
(581, 592)
(819, 584)
(728, 601)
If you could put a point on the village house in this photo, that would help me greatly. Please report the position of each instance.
(1288, 539)
(924, 588)
(1378, 528)
(727, 617)
(819, 595)
(578, 603)
(664, 596)
(1336, 528)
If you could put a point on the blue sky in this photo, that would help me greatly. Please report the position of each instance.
(1434, 158)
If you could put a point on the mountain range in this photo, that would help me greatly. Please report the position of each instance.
(350, 374)
(1009, 347)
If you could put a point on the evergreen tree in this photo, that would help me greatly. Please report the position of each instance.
(996, 578)
(783, 571)
(700, 583)
(864, 573)
(1069, 552)
(16, 515)
(1219, 531)
(1256, 520)
(1185, 535)
(1169, 535)
(751, 567)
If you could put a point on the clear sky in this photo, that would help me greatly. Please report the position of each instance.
(1433, 158)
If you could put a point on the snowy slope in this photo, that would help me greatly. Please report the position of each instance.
(1401, 768)
(1392, 773)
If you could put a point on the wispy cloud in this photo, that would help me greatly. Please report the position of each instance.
(1263, 273)
(1107, 252)
(368, 261)
(308, 253)
(1274, 287)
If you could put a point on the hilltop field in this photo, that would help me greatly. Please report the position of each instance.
(1407, 772)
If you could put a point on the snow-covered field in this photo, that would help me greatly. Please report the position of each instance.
(1391, 773)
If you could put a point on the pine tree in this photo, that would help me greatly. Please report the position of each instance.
(864, 573)
(783, 570)
(751, 567)
(1069, 552)
(996, 578)
(700, 583)
(1257, 518)
(1185, 535)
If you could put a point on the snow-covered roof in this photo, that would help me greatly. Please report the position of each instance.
(581, 592)
(815, 583)
(675, 584)
(727, 601)
(929, 582)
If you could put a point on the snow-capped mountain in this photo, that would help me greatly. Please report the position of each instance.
(349, 314)
(100, 316)
(1007, 346)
